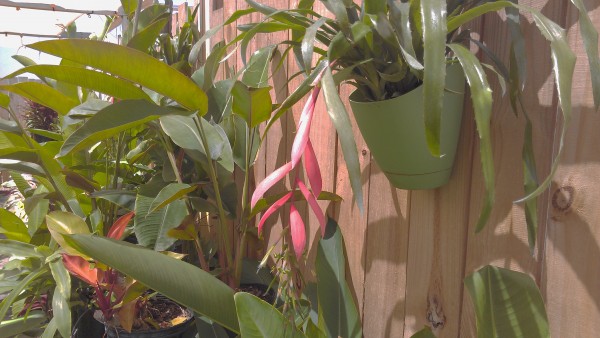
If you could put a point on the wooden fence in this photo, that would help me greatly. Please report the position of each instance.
(409, 251)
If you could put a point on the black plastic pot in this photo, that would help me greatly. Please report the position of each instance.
(186, 329)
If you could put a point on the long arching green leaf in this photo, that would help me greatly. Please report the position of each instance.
(590, 42)
(308, 42)
(88, 79)
(456, 21)
(16, 291)
(145, 38)
(61, 308)
(180, 281)
(433, 16)
(42, 94)
(259, 319)
(481, 95)
(13, 327)
(113, 119)
(129, 64)
(563, 60)
(507, 304)
(339, 116)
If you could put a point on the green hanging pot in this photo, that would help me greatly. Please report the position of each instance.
(395, 133)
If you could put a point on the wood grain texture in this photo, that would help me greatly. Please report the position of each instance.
(571, 278)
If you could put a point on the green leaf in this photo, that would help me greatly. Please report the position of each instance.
(256, 72)
(259, 319)
(51, 329)
(434, 74)
(481, 95)
(23, 284)
(54, 136)
(15, 248)
(13, 227)
(113, 119)
(129, 64)
(424, 333)
(507, 304)
(456, 21)
(62, 223)
(61, 309)
(254, 105)
(170, 193)
(590, 42)
(180, 281)
(563, 60)
(13, 327)
(400, 19)
(530, 184)
(375, 6)
(36, 207)
(338, 315)
(87, 78)
(4, 100)
(42, 94)
(308, 42)
(339, 116)
(145, 38)
(122, 198)
(151, 227)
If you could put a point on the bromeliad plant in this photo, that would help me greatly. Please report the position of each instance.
(386, 48)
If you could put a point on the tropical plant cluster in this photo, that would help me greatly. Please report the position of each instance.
(144, 175)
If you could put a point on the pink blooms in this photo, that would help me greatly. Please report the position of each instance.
(301, 150)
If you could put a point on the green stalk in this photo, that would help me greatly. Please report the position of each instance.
(226, 241)
(171, 156)
(42, 164)
(244, 225)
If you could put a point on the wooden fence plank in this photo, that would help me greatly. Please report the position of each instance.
(571, 279)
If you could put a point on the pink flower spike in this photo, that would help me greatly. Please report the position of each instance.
(312, 201)
(268, 182)
(298, 231)
(280, 202)
(118, 228)
(304, 127)
(312, 169)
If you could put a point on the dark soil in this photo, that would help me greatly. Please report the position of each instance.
(160, 312)
(260, 291)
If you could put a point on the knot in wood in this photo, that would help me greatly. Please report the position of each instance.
(562, 198)
(435, 313)
(364, 152)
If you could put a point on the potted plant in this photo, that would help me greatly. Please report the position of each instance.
(394, 52)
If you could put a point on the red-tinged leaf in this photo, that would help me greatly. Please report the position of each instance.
(127, 315)
(269, 181)
(312, 201)
(278, 204)
(80, 268)
(313, 171)
(298, 231)
(118, 228)
(304, 127)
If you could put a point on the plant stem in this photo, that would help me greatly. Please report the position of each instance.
(225, 241)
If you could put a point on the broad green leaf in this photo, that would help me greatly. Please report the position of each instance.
(424, 333)
(42, 94)
(563, 60)
(4, 100)
(180, 281)
(211, 65)
(434, 73)
(61, 309)
(36, 207)
(151, 227)
(61, 223)
(507, 304)
(339, 116)
(129, 64)
(481, 95)
(113, 119)
(15, 248)
(256, 72)
(88, 109)
(87, 78)
(170, 193)
(590, 41)
(338, 315)
(23, 284)
(259, 319)
(51, 328)
(9, 141)
(54, 136)
(254, 105)
(13, 227)
(21, 167)
(375, 6)
(145, 38)
(12, 327)
(185, 132)
(122, 198)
